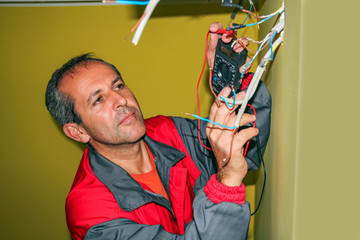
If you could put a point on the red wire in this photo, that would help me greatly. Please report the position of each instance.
(247, 144)
(197, 92)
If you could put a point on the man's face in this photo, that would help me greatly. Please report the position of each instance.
(109, 111)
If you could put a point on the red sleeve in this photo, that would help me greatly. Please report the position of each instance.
(218, 192)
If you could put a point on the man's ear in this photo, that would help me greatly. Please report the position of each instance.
(74, 131)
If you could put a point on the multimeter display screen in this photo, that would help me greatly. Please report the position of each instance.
(229, 53)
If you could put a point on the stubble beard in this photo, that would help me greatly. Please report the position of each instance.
(120, 135)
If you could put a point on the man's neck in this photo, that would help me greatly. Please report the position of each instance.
(133, 157)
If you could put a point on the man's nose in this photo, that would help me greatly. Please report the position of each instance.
(118, 101)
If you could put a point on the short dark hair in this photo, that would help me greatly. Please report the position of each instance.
(60, 105)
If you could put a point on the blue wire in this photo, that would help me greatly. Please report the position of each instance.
(207, 120)
(132, 2)
(252, 60)
(271, 45)
(222, 98)
(242, 73)
(248, 14)
(249, 25)
(253, 24)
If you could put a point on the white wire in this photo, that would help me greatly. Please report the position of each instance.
(254, 41)
(148, 11)
(254, 83)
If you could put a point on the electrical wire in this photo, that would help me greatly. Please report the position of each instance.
(264, 20)
(258, 146)
(231, 128)
(258, 150)
(148, 11)
(128, 2)
(254, 125)
(247, 48)
(254, 41)
(254, 57)
(197, 91)
(256, 16)
(136, 25)
(234, 13)
(248, 14)
(271, 45)
(269, 36)
(215, 123)
(227, 104)
(256, 13)
(210, 84)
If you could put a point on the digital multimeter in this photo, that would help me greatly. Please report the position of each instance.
(226, 67)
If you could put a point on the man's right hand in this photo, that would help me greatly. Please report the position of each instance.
(227, 144)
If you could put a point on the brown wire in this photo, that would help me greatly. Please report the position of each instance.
(231, 143)
(134, 27)
(211, 88)
(247, 48)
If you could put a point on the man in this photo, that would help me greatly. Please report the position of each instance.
(148, 179)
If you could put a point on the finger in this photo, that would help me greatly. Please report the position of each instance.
(241, 44)
(247, 118)
(230, 100)
(248, 66)
(221, 139)
(223, 111)
(209, 125)
(240, 96)
(245, 41)
(214, 108)
(214, 37)
(215, 26)
(226, 134)
(242, 137)
(212, 114)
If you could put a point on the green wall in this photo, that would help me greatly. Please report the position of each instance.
(312, 160)
(37, 162)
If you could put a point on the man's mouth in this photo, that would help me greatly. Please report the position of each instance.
(127, 118)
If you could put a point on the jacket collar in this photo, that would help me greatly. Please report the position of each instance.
(128, 193)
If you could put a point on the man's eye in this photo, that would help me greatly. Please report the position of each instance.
(98, 100)
(119, 86)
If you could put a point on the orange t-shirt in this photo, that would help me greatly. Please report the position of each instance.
(151, 179)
